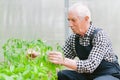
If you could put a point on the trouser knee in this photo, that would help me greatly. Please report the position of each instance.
(62, 75)
(70, 75)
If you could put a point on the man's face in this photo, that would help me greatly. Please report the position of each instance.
(75, 22)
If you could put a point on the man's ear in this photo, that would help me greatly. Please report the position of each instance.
(86, 18)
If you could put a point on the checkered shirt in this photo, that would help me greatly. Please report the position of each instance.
(102, 49)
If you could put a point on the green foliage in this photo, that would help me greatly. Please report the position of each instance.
(17, 66)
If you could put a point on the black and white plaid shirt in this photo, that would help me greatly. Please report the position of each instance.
(102, 49)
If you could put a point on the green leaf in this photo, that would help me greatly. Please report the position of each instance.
(18, 67)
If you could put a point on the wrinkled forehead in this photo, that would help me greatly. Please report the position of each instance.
(72, 14)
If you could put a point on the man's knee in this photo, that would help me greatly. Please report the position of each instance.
(62, 75)
(70, 75)
(106, 77)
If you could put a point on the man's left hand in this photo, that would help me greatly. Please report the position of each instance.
(56, 57)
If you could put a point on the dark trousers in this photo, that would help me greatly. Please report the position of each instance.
(73, 75)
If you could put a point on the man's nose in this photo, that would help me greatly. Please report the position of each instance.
(70, 24)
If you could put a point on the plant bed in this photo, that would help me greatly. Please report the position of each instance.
(17, 66)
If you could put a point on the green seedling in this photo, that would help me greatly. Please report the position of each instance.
(17, 66)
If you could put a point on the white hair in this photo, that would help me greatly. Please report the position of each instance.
(81, 9)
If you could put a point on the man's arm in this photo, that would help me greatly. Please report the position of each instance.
(68, 48)
(69, 63)
(100, 48)
(97, 53)
(57, 58)
(69, 53)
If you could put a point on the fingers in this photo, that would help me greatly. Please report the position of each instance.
(55, 54)
(55, 57)
(32, 53)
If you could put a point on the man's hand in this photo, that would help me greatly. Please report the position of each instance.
(32, 53)
(56, 57)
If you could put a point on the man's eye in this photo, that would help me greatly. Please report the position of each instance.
(73, 20)
(68, 19)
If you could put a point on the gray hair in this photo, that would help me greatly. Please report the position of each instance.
(81, 9)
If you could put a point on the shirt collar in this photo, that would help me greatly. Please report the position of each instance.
(90, 30)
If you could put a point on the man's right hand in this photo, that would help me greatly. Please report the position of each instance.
(32, 53)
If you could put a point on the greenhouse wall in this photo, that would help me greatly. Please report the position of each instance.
(31, 20)
(47, 19)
